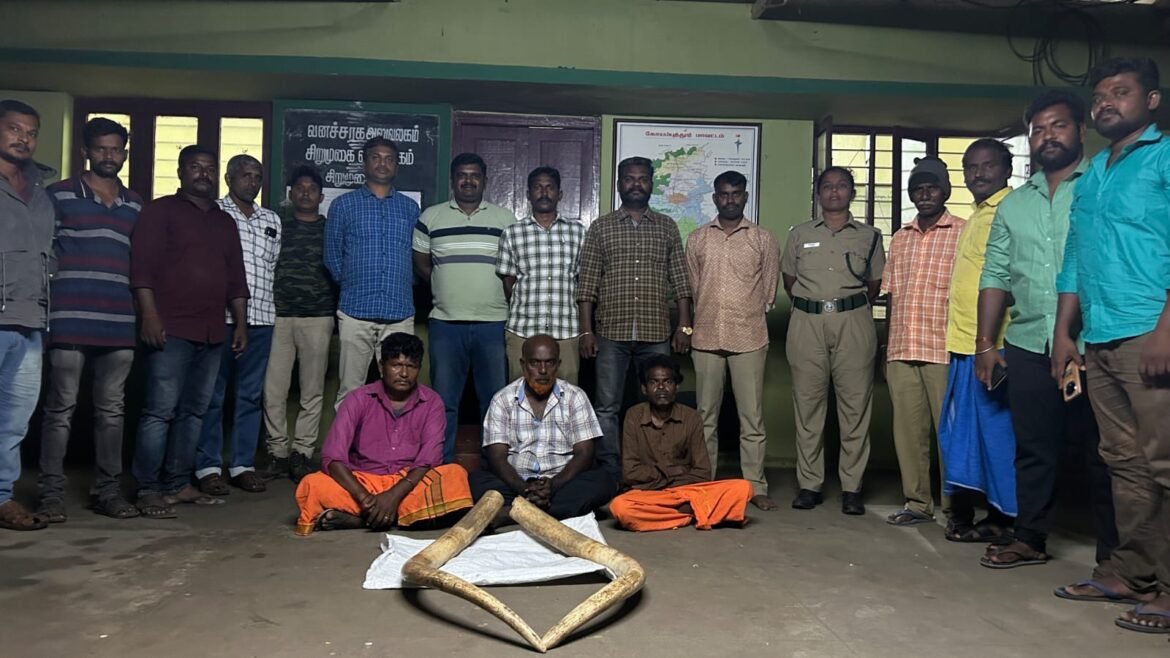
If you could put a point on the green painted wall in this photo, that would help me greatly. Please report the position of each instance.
(56, 110)
(563, 37)
(785, 197)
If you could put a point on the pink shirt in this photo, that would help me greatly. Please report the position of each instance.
(367, 436)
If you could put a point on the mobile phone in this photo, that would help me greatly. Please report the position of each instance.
(1070, 383)
(998, 375)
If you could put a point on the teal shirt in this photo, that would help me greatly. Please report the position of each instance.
(1024, 253)
(1117, 258)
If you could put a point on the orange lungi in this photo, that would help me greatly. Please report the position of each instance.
(722, 501)
(442, 490)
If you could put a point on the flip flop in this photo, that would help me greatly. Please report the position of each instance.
(1140, 610)
(907, 517)
(1107, 595)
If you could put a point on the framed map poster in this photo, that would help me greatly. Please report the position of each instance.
(687, 157)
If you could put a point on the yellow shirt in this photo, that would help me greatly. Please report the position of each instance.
(963, 309)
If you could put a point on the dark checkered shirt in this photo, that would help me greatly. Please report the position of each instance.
(545, 264)
(631, 272)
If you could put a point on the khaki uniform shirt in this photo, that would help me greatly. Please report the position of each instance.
(830, 265)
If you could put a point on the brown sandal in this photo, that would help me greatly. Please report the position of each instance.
(14, 516)
(249, 481)
(1010, 556)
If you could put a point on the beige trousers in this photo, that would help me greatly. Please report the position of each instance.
(916, 391)
(361, 343)
(838, 350)
(747, 384)
(570, 357)
(304, 342)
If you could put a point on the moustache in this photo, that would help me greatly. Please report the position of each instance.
(980, 181)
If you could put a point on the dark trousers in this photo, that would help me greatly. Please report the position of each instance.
(613, 362)
(110, 369)
(581, 495)
(1135, 442)
(458, 349)
(1043, 423)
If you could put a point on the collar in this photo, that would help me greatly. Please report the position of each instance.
(1040, 182)
(417, 397)
(84, 191)
(180, 194)
(532, 220)
(647, 417)
(1150, 135)
(230, 203)
(993, 200)
(364, 190)
(649, 215)
(521, 391)
(483, 205)
(946, 221)
(743, 224)
(852, 223)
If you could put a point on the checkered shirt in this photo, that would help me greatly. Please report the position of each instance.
(918, 279)
(260, 240)
(545, 264)
(540, 447)
(631, 272)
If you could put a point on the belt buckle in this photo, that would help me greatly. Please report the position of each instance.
(829, 306)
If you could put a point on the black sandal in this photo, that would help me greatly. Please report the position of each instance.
(115, 507)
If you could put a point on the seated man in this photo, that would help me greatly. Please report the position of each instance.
(382, 463)
(665, 462)
(539, 435)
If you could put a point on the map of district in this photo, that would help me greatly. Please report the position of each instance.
(686, 160)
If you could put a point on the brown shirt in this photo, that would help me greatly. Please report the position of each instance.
(631, 272)
(830, 265)
(734, 274)
(656, 457)
(192, 260)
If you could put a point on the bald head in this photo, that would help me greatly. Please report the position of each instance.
(540, 359)
(540, 340)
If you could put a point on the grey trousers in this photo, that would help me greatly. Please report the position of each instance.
(110, 369)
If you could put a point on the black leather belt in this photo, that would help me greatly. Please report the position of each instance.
(831, 305)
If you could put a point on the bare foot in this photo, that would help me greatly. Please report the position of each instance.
(332, 519)
(763, 502)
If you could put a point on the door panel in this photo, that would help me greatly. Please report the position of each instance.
(514, 145)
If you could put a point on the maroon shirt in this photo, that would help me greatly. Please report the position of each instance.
(368, 436)
(191, 258)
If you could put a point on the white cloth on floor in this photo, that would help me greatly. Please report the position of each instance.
(508, 558)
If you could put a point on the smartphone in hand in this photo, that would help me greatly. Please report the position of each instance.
(1070, 383)
(998, 375)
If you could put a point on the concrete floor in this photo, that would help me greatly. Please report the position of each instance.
(233, 581)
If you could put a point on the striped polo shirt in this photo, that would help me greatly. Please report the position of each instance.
(463, 252)
(91, 303)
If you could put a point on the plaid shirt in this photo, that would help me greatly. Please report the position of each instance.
(540, 447)
(260, 240)
(630, 272)
(918, 279)
(545, 264)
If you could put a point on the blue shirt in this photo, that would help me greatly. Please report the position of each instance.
(1117, 257)
(367, 251)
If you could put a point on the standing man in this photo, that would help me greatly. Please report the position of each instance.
(259, 230)
(917, 277)
(455, 248)
(832, 269)
(538, 261)
(186, 264)
(632, 263)
(1114, 286)
(1024, 251)
(975, 431)
(734, 267)
(306, 301)
(367, 251)
(26, 254)
(92, 319)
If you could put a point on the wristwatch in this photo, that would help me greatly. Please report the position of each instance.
(687, 330)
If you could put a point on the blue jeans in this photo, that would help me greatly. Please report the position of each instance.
(613, 362)
(20, 386)
(179, 380)
(247, 372)
(459, 347)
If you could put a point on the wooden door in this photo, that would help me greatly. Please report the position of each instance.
(512, 145)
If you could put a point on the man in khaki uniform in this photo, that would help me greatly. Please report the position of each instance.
(832, 268)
